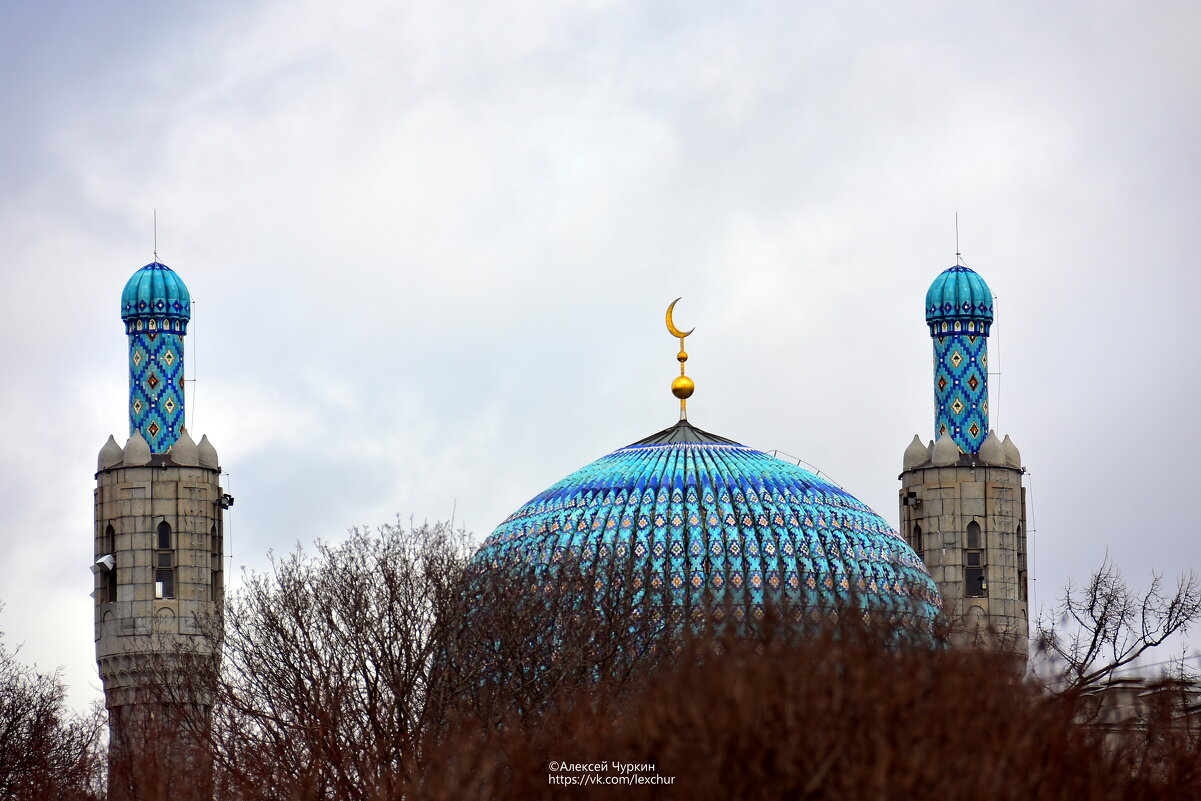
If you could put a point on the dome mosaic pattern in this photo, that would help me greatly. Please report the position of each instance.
(704, 523)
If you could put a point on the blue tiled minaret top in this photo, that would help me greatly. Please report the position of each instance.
(156, 307)
(959, 311)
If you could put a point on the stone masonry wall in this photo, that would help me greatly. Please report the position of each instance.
(943, 501)
(136, 628)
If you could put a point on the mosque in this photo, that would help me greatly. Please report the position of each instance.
(704, 526)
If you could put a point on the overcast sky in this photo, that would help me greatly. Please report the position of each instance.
(430, 246)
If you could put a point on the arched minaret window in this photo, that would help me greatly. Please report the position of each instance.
(110, 576)
(917, 541)
(164, 563)
(974, 578)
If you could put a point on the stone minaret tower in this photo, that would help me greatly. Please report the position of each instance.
(158, 569)
(963, 507)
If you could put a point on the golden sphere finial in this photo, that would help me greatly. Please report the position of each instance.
(682, 387)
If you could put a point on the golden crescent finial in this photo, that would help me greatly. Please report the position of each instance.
(683, 386)
(671, 326)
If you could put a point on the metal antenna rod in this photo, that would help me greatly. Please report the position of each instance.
(958, 260)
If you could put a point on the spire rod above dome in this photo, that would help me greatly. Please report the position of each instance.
(958, 254)
(682, 387)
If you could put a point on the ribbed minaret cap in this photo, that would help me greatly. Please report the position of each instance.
(946, 452)
(136, 450)
(156, 291)
(1013, 457)
(207, 453)
(110, 455)
(185, 451)
(991, 450)
(917, 453)
(959, 293)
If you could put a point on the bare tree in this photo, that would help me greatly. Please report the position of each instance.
(841, 713)
(345, 668)
(1105, 626)
(328, 658)
(394, 665)
(531, 630)
(341, 667)
(46, 752)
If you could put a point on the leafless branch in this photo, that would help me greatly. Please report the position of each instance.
(1105, 626)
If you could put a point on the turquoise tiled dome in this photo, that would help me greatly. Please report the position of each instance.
(959, 293)
(156, 291)
(702, 522)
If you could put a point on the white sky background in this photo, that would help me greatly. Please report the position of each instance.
(431, 244)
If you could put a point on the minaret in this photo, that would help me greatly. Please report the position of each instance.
(959, 313)
(963, 507)
(156, 307)
(158, 568)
